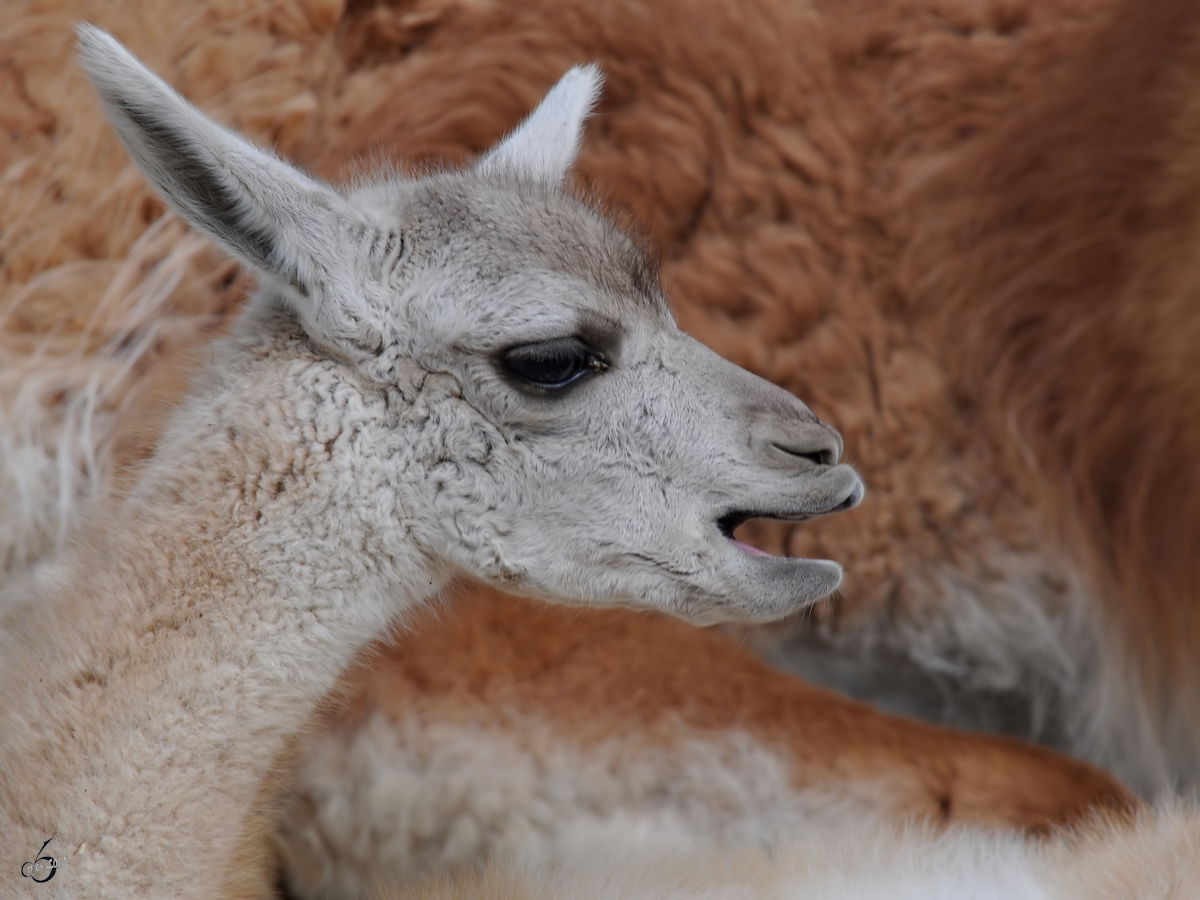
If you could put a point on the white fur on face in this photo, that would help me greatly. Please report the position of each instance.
(622, 488)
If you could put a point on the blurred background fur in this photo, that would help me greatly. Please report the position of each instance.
(962, 231)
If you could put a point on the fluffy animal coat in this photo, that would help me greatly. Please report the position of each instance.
(555, 723)
(911, 53)
(808, 173)
(1159, 857)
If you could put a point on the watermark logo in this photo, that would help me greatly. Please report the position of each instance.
(41, 868)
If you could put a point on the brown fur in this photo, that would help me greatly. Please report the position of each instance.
(1062, 279)
(642, 681)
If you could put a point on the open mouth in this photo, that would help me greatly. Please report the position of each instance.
(732, 520)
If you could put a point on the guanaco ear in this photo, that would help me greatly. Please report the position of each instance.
(297, 232)
(544, 146)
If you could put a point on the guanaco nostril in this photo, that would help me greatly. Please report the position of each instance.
(792, 444)
(816, 443)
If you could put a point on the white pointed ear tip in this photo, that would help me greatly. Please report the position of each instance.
(587, 72)
(86, 32)
(586, 80)
(94, 43)
(102, 55)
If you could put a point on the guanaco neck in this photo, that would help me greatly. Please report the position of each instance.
(154, 673)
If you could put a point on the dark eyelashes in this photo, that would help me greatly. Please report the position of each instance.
(552, 365)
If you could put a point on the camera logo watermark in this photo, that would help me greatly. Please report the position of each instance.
(41, 868)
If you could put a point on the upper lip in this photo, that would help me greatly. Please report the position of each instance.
(729, 520)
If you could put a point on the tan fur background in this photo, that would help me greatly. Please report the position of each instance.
(958, 229)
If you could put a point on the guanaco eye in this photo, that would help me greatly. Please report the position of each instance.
(551, 365)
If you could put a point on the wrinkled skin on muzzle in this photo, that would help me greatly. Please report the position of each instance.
(626, 490)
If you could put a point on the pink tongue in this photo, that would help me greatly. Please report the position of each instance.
(746, 548)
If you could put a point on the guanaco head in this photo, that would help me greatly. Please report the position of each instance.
(579, 447)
